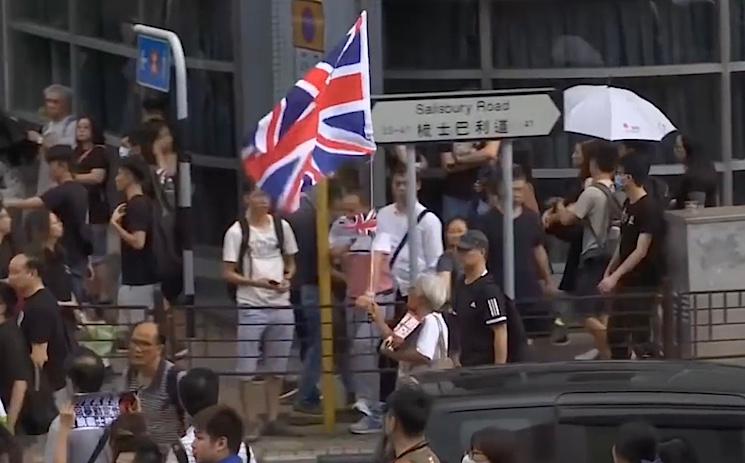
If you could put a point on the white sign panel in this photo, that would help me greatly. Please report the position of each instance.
(463, 118)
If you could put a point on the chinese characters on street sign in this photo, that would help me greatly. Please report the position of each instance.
(463, 118)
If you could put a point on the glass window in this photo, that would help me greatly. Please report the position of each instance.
(603, 33)
(737, 21)
(211, 113)
(108, 19)
(108, 91)
(48, 12)
(215, 203)
(429, 85)
(50, 64)
(205, 28)
(679, 97)
(445, 36)
(738, 115)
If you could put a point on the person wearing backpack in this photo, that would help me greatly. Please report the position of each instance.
(133, 221)
(598, 211)
(259, 262)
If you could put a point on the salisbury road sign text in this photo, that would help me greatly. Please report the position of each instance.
(416, 120)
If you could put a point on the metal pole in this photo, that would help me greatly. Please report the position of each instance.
(726, 100)
(508, 237)
(184, 193)
(411, 201)
(328, 383)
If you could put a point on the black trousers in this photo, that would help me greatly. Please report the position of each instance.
(388, 367)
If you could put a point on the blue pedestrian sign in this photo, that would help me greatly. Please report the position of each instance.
(154, 63)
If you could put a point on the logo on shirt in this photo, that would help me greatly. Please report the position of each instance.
(472, 305)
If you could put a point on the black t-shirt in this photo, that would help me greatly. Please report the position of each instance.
(528, 233)
(15, 364)
(69, 201)
(56, 275)
(460, 184)
(138, 265)
(480, 306)
(86, 161)
(41, 322)
(643, 216)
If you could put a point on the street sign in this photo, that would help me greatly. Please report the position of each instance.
(154, 63)
(463, 116)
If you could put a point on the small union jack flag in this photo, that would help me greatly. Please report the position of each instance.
(324, 121)
(364, 224)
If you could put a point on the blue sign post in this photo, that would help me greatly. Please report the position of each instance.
(154, 63)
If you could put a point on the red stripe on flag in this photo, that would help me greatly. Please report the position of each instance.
(341, 90)
(317, 77)
(271, 131)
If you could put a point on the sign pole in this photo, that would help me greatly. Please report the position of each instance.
(411, 201)
(184, 193)
(508, 236)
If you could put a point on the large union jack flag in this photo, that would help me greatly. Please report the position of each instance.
(323, 121)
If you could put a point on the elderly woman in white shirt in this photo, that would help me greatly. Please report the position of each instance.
(420, 341)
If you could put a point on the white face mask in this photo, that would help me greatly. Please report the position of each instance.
(467, 459)
(123, 151)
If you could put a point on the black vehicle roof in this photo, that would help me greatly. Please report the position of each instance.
(600, 376)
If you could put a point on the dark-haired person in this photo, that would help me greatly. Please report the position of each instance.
(156, 379)
(133, 222)
(491, 445)
(677, 450)
(15, 368)
(656, 187)
(43, 233)
(199, 389)
(86, 373)
(219, 435)
(595, 210)
(635, 267)
(636, 442)
(408, 410)
(41, 322)
(69, 201)
(700, 180)
(91, 170)
(462, 162)
(532, 269)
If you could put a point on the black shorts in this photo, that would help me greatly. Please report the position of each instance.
(538, 319)
(630, 321)
(589, 275)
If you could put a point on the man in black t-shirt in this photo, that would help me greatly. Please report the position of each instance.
(532, 270)
(133, 221)
(462, 162)
(41, 322)
(635, 269)
(15, 367)
(69, 201)
(491, 331)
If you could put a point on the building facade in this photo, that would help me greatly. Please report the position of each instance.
(686, 56)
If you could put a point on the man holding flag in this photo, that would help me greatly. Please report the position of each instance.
(323, 122)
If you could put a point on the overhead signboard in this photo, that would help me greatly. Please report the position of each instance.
(154, 66)
(451, 117)
(308, 24)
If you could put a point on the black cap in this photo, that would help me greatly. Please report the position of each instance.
(473, 239)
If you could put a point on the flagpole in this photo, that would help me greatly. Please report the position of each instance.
(328, 382)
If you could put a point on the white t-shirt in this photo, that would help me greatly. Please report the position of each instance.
(393, 225)
(263, 261)
(427, 342)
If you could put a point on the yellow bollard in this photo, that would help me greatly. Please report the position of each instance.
(328, 381)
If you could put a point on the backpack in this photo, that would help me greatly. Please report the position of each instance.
(166, 255)
(173, 377)
(244, 249)
(614, 210)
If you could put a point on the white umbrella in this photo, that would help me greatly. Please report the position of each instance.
(613, 114)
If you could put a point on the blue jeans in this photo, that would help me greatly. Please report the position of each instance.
(455, 207)
(308, 393)
(78, 275)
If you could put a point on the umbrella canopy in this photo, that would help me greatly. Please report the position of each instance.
(613, 114)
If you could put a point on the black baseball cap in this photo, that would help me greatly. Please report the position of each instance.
(473, 239)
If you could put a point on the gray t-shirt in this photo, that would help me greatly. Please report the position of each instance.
(592, 205)
(80, 446)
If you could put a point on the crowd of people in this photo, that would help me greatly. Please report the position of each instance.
(453, 314)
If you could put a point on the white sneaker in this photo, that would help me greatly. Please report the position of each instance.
(591, 354)
(362, 406)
